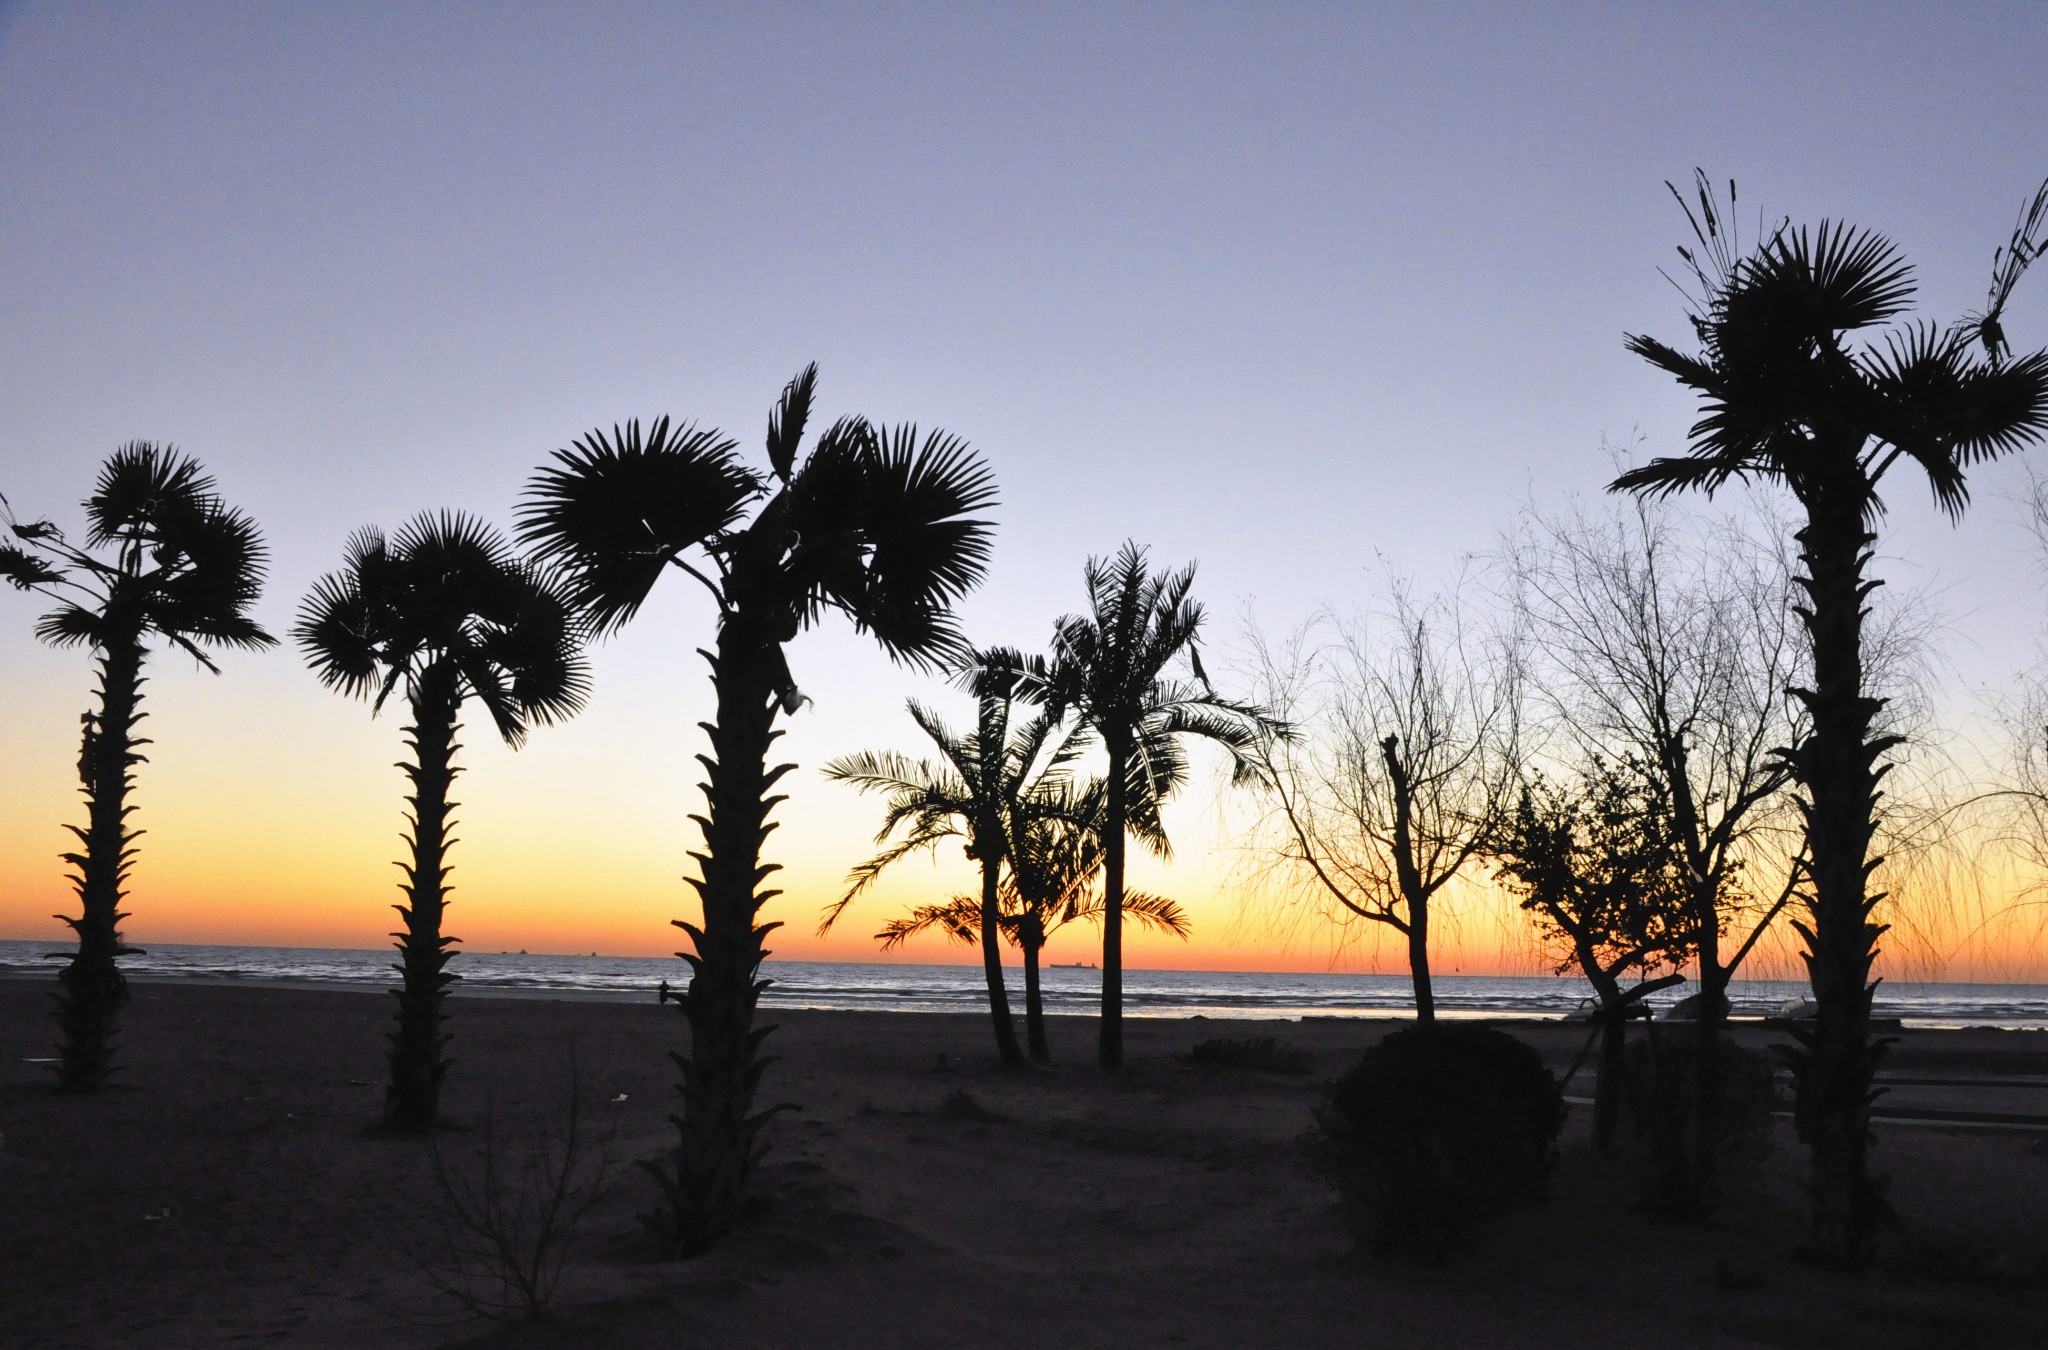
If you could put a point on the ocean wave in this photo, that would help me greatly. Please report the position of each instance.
(880, 987)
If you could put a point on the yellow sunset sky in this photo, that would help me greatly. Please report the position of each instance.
(1311, 332)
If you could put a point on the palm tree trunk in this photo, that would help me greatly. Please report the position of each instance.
(91, 991)
(992, 958)
(1031, 937)
(1837, 765)
(719, 1143)
(1110, 1047)
(413, 1098)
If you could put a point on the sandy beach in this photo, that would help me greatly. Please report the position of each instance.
(226, 1193)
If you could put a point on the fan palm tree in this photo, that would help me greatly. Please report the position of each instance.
(1792, 393)
(177, 564)
(1106, 672)
(1055, 858)
(875, 524)
(971, 795)
(445, 612)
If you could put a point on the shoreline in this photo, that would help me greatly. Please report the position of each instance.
(465, 991)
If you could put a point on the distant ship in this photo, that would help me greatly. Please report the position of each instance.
(1074, 965)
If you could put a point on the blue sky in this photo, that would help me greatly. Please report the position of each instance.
(1287, 289)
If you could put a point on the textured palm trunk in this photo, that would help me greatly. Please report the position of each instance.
(413, 1097)
(1109, 1052)
(992, 954)
(1409, 878)
(720, 1133)
(91, 991)
(1837, 766)
(1031, 937)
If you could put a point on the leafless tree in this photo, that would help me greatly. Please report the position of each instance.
(1672, 649)
(1402, 769)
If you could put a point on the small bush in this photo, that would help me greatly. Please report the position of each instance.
(496, 1229)
(1250, 1052)
(1660, 1095)
(1433, 1131)
(962, 1105)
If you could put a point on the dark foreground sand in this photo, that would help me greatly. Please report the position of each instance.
(1163, 1206)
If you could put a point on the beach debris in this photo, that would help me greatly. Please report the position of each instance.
(619, 1098)
(157, 1216)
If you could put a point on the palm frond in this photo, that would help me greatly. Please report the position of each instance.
(1668, 475)
(1811, 286)
(71, 625)
(786, 423)
(903, 543)
(959, 918)
(144, 488)
(1154, 911)
(210, 571)
(24, 570)
(612, 511)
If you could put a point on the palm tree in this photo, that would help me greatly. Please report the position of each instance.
(178, 564)
(1105, 672)
(447, 611)
(1055, 856)
(971, 795)
(875, 524)
(1788, 397)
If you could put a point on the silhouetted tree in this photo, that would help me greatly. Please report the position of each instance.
(1404, 771)
(1106, 672)
(442, 612)
(1788, 397)
(874, 524)
(162, 556)
(970, 795)
(1056, 853)
(1597, 868)
(1670, 651)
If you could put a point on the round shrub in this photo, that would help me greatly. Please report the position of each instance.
(1434, 1130)
(1660, 1099)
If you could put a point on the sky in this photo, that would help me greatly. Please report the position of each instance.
(1305, 293)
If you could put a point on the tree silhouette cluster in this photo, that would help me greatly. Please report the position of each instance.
(1660, 749)
(1013, 800)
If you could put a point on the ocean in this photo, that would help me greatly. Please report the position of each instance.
(880, 987)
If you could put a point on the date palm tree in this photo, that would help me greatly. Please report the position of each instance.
(875, 524)
(442, 612)
(971, 795)
(1055, 861)
(1107, 672)
(163, 557)
(1794, 392)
